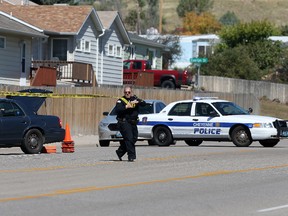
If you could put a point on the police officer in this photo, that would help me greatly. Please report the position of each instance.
(127, 109)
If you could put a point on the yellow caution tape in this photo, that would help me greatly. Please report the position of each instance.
(53, 95)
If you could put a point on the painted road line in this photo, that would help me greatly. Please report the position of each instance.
(273, 208)
(94, 188)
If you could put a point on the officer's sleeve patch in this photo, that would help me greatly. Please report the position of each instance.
(118, 101)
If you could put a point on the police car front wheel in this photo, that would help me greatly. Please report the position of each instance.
(241, 137)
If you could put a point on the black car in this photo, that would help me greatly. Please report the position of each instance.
(20, 125)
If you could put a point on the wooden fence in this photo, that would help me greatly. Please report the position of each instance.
(84, 114)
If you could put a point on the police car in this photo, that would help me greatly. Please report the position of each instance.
(203, 119)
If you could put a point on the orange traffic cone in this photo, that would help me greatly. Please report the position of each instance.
(68, 143)
(49, 149)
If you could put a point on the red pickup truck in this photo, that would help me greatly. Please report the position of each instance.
(162, 78)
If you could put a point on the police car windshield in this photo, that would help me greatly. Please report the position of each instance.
(229, 108)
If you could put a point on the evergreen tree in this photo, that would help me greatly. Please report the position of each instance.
(196, 6)
(229, 18)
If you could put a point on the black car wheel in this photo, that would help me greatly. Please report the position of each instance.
(168, 84)
(269, 143)
(193, 142)
(33, 142)
(162, 136)
(104, 143)
(241, 137)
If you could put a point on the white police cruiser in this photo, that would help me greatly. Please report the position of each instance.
(203, 119)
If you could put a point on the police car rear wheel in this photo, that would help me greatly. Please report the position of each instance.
(162, 136)
(193, 142)
(241, 137)
(269, 143)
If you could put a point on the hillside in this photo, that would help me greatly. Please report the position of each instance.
(275, 11)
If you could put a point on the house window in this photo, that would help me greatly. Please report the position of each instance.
(87, 46)
(110, 50)
(59, 49)
(118, 51)
(2, 42)
(78, 45)
(204, 50)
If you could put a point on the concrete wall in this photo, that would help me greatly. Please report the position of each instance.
(258, 88)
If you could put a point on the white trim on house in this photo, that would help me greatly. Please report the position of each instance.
(20, 21)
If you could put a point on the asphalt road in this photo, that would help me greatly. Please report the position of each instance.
(216, 179)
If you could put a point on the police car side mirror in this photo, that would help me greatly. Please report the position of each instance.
(250, 110)
(105, 113)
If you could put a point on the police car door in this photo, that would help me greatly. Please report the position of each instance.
(179, 120)
(206, 121)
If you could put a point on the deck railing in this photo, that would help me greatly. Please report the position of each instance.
(68, 70)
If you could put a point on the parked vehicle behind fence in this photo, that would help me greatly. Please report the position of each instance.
(162, 78)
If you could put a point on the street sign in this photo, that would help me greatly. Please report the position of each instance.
(199, 60)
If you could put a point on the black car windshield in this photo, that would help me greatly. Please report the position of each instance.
(229, 108)
(147, 109)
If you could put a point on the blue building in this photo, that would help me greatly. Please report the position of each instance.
(195, 46)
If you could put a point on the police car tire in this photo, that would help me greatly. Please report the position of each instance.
(193, 142)
(241, 137)
(104, 143)
(269, 143)
(162, 136)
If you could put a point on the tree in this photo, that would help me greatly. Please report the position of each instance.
(173, 44)
(284, 30)
(196, 6)
(200, 24)
(152, 14)
(173, 49)
(245, 46)
(131, 19)
(140, 4)
(266, 54)
(246, 33)
(234, 62)
(229, 18)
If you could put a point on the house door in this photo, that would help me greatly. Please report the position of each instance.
(23, 64)
(23, 57)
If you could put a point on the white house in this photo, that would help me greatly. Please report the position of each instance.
(193, 47)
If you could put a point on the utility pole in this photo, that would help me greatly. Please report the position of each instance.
(160, 15)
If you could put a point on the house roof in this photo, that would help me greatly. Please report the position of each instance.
(141, 40)
(14, 26)
(109, 17)
(61, 19)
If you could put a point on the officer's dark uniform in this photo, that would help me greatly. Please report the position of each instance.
(127, 124)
